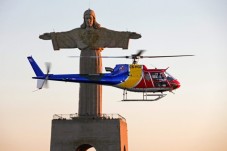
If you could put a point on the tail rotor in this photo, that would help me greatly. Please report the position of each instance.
(48, 68)
(43, 83)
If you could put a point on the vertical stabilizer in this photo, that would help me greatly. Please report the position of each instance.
(35, 67)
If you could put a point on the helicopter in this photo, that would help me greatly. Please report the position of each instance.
(129, 77)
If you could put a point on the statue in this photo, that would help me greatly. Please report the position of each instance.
(90, 38)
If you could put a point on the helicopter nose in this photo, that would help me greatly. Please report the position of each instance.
(176, 84)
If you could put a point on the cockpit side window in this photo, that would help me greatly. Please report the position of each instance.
(169, 77)
(157, 75)
(154, 75)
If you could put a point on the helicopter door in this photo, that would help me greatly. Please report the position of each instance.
(159, 79)
(148, 80)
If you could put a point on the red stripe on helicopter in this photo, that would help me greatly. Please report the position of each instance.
(146, 81)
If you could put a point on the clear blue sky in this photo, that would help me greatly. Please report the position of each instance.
(194, 118)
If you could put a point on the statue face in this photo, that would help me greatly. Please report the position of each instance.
(89, 20)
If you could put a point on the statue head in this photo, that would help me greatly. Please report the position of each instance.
(89, 20)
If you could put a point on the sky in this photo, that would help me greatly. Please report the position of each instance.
(194, 118)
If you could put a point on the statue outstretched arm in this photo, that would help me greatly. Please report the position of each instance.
(45, 36)
(94, 39)
(134, 35)
(117, 39)
(61, 39)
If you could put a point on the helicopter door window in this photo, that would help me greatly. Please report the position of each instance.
(147, 76)
(159, 79)
(162, 80)
(154, 75)
(161, 76)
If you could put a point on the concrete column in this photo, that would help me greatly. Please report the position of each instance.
(90, 95)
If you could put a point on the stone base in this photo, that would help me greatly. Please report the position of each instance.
(82, 133)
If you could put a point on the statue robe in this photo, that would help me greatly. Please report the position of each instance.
(91, 42)
(91, 39)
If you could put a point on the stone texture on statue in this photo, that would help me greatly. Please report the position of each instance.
(90, 95)
(90, 39)
(90, 42)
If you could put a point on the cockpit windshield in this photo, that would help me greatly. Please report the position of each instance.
(169, 77)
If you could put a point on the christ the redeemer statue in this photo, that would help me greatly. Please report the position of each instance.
(90, 38)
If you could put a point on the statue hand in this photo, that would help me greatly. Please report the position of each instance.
(45, 36)
(134, 35)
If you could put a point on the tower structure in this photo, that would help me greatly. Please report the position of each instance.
(90, 127)
(104, 133)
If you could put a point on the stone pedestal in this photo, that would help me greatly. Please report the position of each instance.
(105, 133)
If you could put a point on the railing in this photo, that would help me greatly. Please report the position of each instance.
(76, 116)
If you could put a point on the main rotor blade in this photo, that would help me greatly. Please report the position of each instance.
(139, 53)
(131, 57)
(100, 56)
(165, 56)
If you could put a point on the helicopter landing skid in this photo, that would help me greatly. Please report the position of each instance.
(145, 96)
